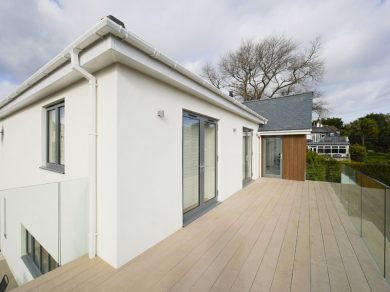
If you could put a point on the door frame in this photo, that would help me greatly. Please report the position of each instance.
(203, 207)
(248, 180)
(264, 150)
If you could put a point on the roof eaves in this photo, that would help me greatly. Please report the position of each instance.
(100, 30)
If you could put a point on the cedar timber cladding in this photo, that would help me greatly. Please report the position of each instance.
(294, 157)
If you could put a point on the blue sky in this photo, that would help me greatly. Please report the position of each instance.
(355, 35)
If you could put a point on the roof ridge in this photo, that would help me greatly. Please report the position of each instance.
(277, 97)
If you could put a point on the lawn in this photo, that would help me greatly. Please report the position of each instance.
(378, 158)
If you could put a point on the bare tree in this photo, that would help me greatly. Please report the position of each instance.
(266, 69)
(211, 74)
(320, 107)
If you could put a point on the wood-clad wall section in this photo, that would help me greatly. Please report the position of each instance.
(294, 157)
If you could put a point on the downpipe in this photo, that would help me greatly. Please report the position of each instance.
(75, 62)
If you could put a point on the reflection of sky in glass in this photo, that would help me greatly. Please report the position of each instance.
(62, 135)
(52, 136)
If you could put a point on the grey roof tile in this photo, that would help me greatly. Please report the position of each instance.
(292, 112)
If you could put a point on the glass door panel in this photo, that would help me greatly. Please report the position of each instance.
(199, 165)
(247, 156)
(209, 161)
(243, 158)
(273, 156)
(191, 131)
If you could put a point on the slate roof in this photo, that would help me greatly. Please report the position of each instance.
(292, 112)
(324, 129)
(335, 143)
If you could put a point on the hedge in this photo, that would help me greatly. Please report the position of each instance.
(320, 168)
(380, 172)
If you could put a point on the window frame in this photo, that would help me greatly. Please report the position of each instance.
(204, 206)
(56, 166)
(29, 258)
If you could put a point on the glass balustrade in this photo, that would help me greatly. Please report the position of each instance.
(55, 214)
(367, 203)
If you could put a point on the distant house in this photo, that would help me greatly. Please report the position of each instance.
(326, 140)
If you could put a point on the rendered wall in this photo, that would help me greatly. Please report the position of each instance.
(22, 152)
(150, 158)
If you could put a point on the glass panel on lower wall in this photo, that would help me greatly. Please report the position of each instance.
(48, 223)
(74, 219)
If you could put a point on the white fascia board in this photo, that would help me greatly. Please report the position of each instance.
(91, 36)
(105, 27)
(150, 51)
(98, 57)
(288, 132)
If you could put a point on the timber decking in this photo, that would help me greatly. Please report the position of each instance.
(274, 235)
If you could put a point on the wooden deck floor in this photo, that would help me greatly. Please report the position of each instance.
(274, 235)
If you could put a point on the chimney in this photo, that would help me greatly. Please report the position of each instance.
(116, 20)
(231, 93)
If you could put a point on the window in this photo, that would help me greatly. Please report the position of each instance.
(37, 259)
(55, 141)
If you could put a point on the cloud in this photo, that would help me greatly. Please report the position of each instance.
(6, 87)
(354, 35)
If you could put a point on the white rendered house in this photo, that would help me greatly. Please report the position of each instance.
(111, 147)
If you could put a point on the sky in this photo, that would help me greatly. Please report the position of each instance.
(355, 36)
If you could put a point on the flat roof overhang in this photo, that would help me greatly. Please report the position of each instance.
(108, 43)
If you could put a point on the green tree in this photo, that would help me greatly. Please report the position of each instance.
(337, 122)
(384, 138)
(357, 152)
(364, 129)
(383, 122)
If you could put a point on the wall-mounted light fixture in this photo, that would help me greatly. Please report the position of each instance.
(160, 113)
(2, 133)
(234, 130)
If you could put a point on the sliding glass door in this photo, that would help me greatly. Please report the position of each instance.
(191, 133)
(246, 156)
(199, 164)
(272, 159)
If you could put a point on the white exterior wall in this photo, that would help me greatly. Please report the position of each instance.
(22, 152)
(139, 160)
(149, 152)
(107, 171)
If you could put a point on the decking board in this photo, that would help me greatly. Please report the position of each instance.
(274, 235)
